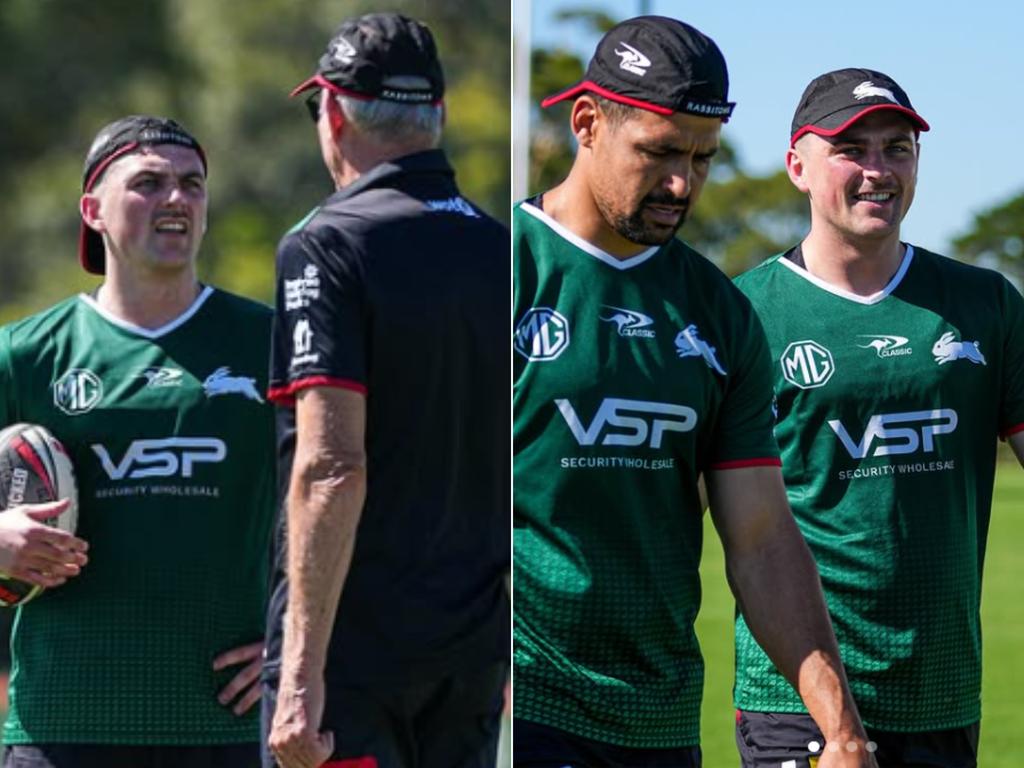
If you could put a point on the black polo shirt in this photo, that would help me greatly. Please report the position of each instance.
(398, 287)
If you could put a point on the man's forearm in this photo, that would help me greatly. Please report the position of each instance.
(777, 587)
(324, 507)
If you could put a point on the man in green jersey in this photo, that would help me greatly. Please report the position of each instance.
(894, 369)
(638, 369)
(149, 655)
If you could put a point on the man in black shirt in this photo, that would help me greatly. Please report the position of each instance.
(390, 370)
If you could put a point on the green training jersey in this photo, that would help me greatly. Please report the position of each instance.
(172, 446)
(888, 412)
(631, 378)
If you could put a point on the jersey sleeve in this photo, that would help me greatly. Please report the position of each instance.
(1011, 407)
(744, 428)
(7, 415)
(319, 317)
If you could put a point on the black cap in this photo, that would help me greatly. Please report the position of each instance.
(658, 64)
(836, 100)
(365, 52)
(120, 138)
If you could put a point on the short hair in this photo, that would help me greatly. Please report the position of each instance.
(393, 122)
(616, 112)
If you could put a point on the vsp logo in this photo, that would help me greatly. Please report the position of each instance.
(807, 364)
(162, 458)
(640, 421)
(918, 432)
(542, 334)
(77, 391)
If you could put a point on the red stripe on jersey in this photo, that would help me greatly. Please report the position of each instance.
(352, 762)
(740, 463)
(28, 454)
(1011, 431)
(286, 395)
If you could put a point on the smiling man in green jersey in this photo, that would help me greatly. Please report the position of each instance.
(153, 382)
(895, 369)
(639, 368)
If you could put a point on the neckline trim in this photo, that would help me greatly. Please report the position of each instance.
(149, 333)
(587, 247)
(874, 298)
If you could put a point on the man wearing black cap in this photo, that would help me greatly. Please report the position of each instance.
(638, 369)
(895, 369)
(148, 657)
(393, 385)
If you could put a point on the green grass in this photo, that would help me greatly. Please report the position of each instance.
(1002, 610)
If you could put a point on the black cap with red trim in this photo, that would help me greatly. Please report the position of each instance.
(120, 138)
(658, 64)
(836, 100)
(366, 54)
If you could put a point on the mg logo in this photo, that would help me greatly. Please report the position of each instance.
(807, 364)
(638, 421)
(542, 334)
(77, 391)
(918, 431)
(162, 458)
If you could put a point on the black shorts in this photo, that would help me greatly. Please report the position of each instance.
(540, 746)
(453, 722)
(771, 740)
(121, 756)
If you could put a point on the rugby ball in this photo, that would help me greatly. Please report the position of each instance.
(34, 469)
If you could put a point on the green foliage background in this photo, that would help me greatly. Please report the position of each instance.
(224, 69)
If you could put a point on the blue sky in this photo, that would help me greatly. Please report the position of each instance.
(960, 63)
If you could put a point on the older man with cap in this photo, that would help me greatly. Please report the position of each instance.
(895, 369)
(388, 631)
(639, 368)
(149, 655)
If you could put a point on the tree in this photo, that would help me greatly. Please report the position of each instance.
(996, 240)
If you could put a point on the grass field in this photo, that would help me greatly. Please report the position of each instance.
(1002, 724)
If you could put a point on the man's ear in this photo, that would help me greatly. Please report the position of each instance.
(586, 120)
(89, 207)
(795, 168)
(335, 117)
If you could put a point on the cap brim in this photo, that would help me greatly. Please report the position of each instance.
(587, 86)
(305, 85)
(849, 116)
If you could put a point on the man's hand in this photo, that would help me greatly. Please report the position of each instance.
(34, 552)
(247, 681)
(295, 736)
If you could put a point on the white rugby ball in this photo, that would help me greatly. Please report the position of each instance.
(34, 469)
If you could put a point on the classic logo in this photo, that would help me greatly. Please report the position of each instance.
(298, 293)
(690, 344)
(806, 364)
(886, 345)
(162, 458)
(221, 382)
(630, 323)
(77, 391)
(947, 349)
(158, 377)
(632, 60)
(639, 421)
(542, 334)
(918, 431)
(868, 89)
(302, 344)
